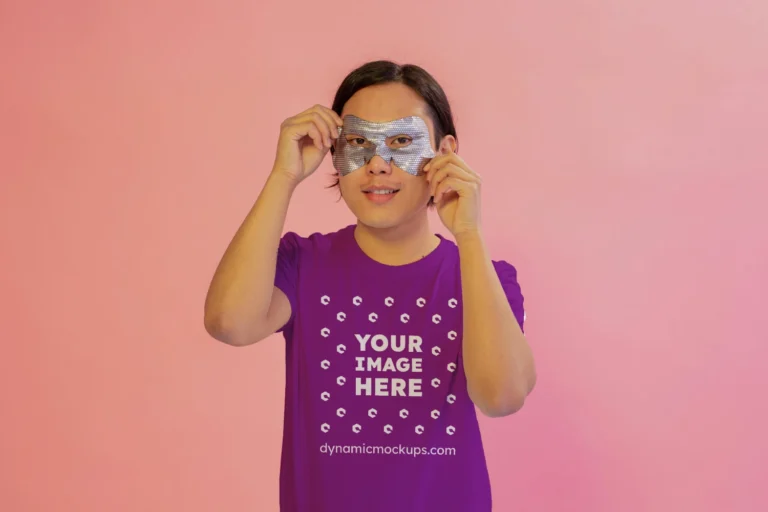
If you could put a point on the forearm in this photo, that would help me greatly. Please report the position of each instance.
(497, 359)
(240, 292)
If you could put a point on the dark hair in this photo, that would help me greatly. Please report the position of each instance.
(384, 72)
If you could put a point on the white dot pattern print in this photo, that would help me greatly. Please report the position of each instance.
(398, 369)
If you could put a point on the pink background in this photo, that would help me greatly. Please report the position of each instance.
(624, 149)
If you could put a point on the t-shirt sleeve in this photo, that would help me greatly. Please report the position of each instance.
(287, 271)
(508, 278)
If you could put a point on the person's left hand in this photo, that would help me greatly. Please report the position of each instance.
(456, 191)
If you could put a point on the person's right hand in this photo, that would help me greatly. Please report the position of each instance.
(304, 141)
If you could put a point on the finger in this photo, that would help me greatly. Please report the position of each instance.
(321, 123)
(321, 109)
(462, 164)
(450, 170)
(324, 110)
(316, 135)
(332, 119)
(452, 184)
(436, 175)
(336, 117)
(442, 158)
(436, 162)
(447, 159)
(308, 129)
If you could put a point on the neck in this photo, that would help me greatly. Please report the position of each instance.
(398, 245)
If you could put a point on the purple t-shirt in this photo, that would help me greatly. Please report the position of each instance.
(377, 414)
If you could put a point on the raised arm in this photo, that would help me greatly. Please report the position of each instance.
(243, 306)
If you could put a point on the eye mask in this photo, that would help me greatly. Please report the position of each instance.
(410, 158)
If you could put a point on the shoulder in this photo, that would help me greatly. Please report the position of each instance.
(506, 271)
(509, 279)
(313, 243)
(509, 282)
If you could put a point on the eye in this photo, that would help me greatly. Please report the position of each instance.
(356, 141)
(400, 141)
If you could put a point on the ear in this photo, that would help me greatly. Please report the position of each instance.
(448, 144)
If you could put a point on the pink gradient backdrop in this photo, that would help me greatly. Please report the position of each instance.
(623, 144)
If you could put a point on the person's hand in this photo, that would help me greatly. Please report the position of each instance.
(304, 141)
(456, 191)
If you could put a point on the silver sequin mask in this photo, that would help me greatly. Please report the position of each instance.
(411, 158)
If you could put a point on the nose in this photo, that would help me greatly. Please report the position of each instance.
(378, 166)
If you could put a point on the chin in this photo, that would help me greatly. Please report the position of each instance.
(381, 226)
(377, 218)
(378, 221)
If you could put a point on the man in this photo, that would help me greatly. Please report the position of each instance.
(394, 335)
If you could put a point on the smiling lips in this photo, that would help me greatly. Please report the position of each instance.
(380, 194)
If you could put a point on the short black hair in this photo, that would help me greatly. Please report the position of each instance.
(417, 78)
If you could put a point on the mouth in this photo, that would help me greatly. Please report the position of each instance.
(382, 191)
(380, 194)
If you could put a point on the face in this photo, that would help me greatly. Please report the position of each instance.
(404, 142)
(379, 164)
